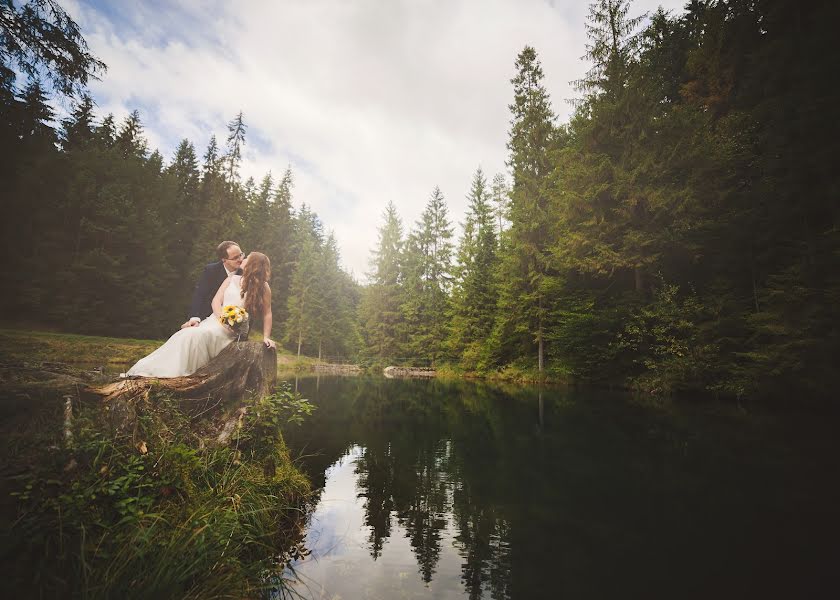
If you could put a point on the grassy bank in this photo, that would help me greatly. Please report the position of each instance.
(116, 354)
(155, 512)
(40, 346)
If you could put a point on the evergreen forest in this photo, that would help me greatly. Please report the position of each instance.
(679, 234)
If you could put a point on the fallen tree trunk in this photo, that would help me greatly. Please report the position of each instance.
(242, 370)
(392, 372)
(336, 369)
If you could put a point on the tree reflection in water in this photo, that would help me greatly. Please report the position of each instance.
(413, 471)
(538, 492)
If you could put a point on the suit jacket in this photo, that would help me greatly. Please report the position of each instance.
(208, 284)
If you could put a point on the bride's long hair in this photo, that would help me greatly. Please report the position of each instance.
(255, 275)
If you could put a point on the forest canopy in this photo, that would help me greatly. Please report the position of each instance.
(679, 233)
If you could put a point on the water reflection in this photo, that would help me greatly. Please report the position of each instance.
(432, 489)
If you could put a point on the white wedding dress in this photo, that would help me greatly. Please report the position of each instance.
(192, 347)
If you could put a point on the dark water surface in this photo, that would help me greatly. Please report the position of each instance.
(437, 489)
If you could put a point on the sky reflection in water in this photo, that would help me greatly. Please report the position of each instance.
(445, 490)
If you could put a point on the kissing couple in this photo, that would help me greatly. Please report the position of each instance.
(234, 280)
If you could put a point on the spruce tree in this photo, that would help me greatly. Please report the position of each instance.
(306, 297)
(279, 246)
(501, 202)
(77, 130)
(219, 217)
(521, 320)
(105, 133)
(379, 311)
(257, 223)
(235, 142)
(31, 195)
(337, 333)
(474, 292)
(181, 217)
(612, 45)
(427, 265)
(129, 140)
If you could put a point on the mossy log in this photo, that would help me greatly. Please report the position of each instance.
(242, 370)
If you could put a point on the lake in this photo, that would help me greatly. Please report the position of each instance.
(453, 489)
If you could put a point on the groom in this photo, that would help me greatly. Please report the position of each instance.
(230, 257)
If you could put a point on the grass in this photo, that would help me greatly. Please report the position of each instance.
(24, 345)
(168, 521)
(39, 346)
(96, 517)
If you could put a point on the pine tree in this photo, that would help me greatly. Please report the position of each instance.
(336, 330)
(279, 246)
(257, 223)
(232, 201)
(612, 120)
(306, 298)
(184, 169)
(380, 305)
(130, 140)
(9, 117)
(235, 142)
(474, 293)
(613, 42)
(30, 196)
(106, 133)
(219, 216)
(427, 266)
(182, 217)
(521, 320)
(501, 201)
(36, 116)
(77, 130)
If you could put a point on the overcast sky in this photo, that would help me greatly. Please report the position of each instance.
(367, 100)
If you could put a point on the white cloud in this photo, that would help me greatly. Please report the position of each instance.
(369, 100)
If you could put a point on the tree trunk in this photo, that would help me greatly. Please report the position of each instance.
(242, 370)
(540, 339)
(78, 239)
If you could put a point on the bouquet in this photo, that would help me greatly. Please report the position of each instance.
(235, 317)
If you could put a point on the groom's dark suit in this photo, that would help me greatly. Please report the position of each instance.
(208, 284)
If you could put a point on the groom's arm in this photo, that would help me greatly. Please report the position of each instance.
(202, 293)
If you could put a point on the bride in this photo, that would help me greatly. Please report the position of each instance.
(193, 347)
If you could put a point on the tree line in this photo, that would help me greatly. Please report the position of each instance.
(109, 239)
(678, 233)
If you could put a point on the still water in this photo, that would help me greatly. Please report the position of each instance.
(433, 489)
